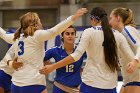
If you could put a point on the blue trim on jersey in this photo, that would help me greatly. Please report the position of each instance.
(5, 81)
(27, 89)
(68, 75)
(88, 89)
(97, 27)
(132, 84)
(132, 39)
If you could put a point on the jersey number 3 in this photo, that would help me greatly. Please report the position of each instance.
(21, 48)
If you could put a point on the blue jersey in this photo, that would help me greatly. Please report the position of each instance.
(70, 74)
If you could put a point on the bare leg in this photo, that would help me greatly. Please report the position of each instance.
(1, 90)
(123, 90)
(133, 89)
(44, 91)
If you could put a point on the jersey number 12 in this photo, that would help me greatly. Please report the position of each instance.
(70, 68)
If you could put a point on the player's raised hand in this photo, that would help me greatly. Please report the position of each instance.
(79, 13)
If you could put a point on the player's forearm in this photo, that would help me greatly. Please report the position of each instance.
(137, 56)
(6, 37)
(63, 62)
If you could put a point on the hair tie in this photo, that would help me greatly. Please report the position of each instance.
(94, 16)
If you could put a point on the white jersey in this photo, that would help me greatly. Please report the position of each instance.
(133, 39)
(31, 52)
(10, 55)
(96, 73)
(7, 37)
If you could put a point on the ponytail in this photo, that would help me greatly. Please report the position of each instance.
(130, 19)
(29, 31)
(110, 47)
(17, 33)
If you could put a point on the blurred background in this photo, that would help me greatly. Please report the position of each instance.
(52, 12)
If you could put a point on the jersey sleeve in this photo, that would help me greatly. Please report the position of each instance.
(43, 35)
(125, 48)
(82, 46)
(48, 54)
(7, 37)
(134, 33)
(10, 55)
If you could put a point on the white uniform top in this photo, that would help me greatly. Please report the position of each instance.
(7, 37)
(133, 39)
(10, 55)
(31, 52)
(96, 73)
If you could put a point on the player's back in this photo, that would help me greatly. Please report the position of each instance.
(92, 41)
(31, 52)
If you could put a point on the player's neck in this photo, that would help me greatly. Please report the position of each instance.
(120, 27)
(68, 48)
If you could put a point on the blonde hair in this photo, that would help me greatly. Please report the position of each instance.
(126, 15)
(29, 23)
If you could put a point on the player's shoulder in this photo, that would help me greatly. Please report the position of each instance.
(128, 27)
(117, 35)
(90, 28)
(38, 32)
(94, 28)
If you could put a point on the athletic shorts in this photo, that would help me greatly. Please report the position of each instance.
(5, 81)
(132, 84)
(57, 90)
(27, 89)
(88, 89)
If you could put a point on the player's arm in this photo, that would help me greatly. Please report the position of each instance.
(48, 55)
(11, 59)
(10, 55)
(47, 62)
(136, 37)
(84, 42)
(125, 47)
(127, 51)
(44, 35)
(7, 37)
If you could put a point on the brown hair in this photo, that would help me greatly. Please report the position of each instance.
(29, 23)
(126, 15)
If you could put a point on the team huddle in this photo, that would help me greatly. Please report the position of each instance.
(108, 45)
